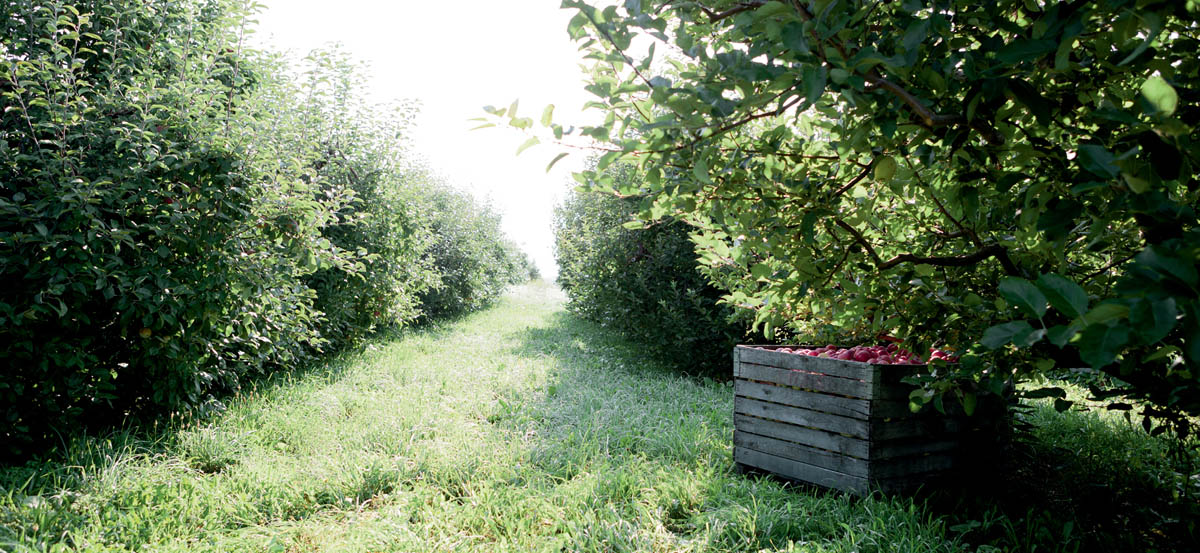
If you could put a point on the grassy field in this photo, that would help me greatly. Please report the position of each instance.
(524, 429)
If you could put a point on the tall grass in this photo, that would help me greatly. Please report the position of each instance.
(516, 429)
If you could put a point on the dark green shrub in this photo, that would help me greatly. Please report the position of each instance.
(153, 229)
(643, 283)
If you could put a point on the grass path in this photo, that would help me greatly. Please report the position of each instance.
(515, 429)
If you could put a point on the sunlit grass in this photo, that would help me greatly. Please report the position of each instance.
(516, 429)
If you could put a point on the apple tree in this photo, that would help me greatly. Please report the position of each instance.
(1014, 180)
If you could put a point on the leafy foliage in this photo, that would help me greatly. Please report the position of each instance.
(1014, 178)
(473, 260)
(171, 223)
(643, 283)
(361, 147)
(151, 254)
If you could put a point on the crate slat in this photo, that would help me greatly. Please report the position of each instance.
(822, 365)
(802, 417)
(837, 443)
(803, 472)
(846, 407)
(888, 450)
(891, 409)
(910, 466)
(796, 452)
(926, 426)
(805, 380)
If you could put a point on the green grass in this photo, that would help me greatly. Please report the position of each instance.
(524, 429)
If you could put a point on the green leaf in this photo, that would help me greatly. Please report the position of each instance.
(548, 115)
(556, 159)
(1032, 99)
(814, 82)
(1024, 295)
(999, 335)
(1162, 261)
(700, 171)
(1064, 295)
(1153, 320)
(1155, 23)
(1059, 335)
(915, 35)
(1161, 353)
(1025, 49)
(761, 270)
(1100, 344)
(1104, 313)
(528, 144)
(969, 401)
(1029, 339)
(1160, 94)
(794, 37)
(1097, 161)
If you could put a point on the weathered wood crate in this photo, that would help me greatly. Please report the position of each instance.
(840, 424)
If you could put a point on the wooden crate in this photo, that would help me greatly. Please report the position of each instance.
(840, 424)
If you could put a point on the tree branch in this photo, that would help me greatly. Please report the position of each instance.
(1109, 266)
(714, 17)
(994, 250)
(836, 268)
(866, 171)
(858, 237)
(609, 38)
(783, 106)
(928, 117)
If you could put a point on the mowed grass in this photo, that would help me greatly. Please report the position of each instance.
(520, 429)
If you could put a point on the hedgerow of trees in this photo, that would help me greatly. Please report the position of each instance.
(474, 261)
(1015, 180)
(642, 283)
(180, 212)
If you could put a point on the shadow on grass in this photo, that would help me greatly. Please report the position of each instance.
(654, 449)
(1074, 483)
(1078, 482)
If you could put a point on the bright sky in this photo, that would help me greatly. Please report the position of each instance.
(456, 58)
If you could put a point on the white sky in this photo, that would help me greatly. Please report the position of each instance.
(456, 58)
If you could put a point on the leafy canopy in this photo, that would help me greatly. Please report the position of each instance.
(1013, 178)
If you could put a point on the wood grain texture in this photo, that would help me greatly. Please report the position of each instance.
(804, 380)
(836, 443)
(802, 417)
(801, 471)
(915, 467)
(820, 365)
(804, 454)
(837, 405)
(880, 451)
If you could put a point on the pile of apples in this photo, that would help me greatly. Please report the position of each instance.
(890, 354)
